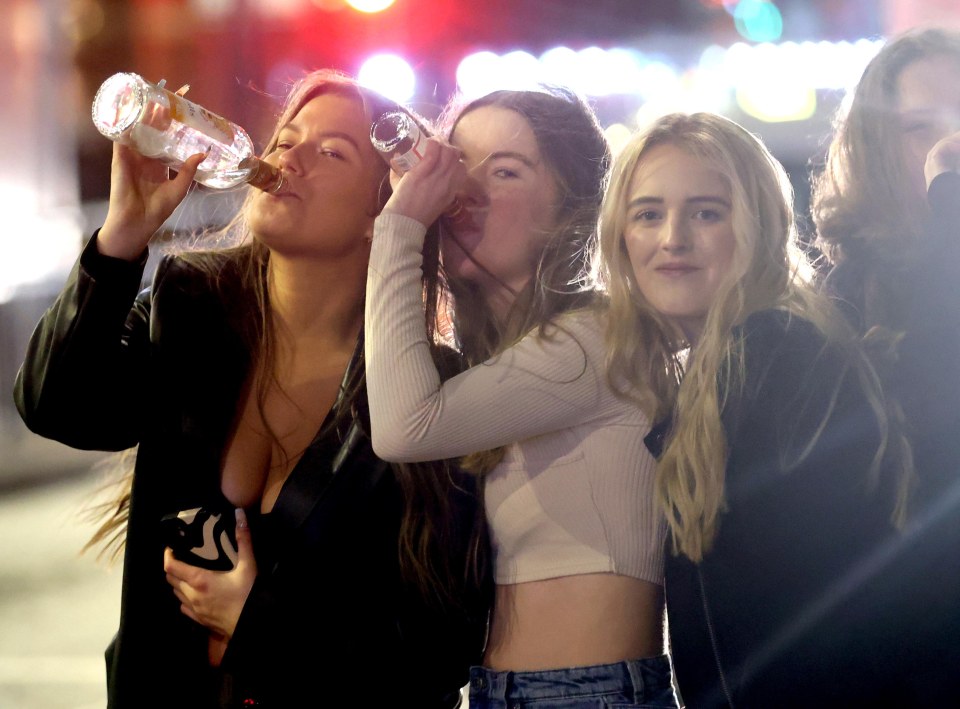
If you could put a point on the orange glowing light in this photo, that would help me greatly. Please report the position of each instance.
(370, 5)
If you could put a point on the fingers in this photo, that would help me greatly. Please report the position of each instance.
(944, 156)
(170, 562)
(188, 171)
(439, 157)
(244, 542)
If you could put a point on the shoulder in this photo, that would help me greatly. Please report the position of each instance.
(581, 330)
(784, 357)
(798, 388)
(778, 332)
(587, 322)
(195, 273)
(181, 285)
(569, 348)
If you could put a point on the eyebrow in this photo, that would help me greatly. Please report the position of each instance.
(698, 199)
(520, 157)
(325, 134)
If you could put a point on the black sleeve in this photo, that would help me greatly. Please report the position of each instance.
(805, 519)
(78, 380)
(928, 370)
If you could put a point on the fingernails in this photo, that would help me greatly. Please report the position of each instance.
(241, 518)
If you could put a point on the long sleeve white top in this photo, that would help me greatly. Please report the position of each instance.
(574, 491)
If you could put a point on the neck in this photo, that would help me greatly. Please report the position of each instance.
(501, 299)
(317, 299)
(691, 329)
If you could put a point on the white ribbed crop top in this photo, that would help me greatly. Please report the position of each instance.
(574, 491)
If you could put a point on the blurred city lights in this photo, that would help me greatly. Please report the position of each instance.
(478, 74)
(277, 9)
(771, 82)
(519, 70)
(370, 5)
(617, 135)
(213, 9)
(388, 75)
(758, 20)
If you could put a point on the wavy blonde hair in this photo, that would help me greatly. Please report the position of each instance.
(769, 271)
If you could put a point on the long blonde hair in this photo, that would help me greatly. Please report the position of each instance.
(769, 271)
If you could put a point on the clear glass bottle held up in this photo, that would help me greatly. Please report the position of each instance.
(399, 139)
(162, 124)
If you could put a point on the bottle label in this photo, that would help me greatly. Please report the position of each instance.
(406, 160)
(156, 115)
(199, 118)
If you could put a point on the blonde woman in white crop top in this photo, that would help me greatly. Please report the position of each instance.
(576, 538)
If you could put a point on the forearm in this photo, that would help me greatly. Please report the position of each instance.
(539, 385)
(72, 385)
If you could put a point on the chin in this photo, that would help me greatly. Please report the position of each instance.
(455, 262)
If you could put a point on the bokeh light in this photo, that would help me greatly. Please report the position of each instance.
(370, 5)
(758, 20)
(389, 75)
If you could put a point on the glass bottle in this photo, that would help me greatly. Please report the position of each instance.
(161, 124)
(398, 138)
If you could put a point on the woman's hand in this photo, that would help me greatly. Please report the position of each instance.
(944, 156)
(142, 196)
(214, 599)
(431, 186)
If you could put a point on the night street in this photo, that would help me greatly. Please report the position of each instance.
(58, 610)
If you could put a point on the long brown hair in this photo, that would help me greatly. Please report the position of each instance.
(577, 155)
(429, 529)
(862, 198)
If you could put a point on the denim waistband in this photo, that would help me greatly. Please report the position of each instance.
(645, 681)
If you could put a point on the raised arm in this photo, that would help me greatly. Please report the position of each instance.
(541, 384)
(80, 379)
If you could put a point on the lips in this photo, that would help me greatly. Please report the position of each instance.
(676, 269)
(287, 191)
(460, 221)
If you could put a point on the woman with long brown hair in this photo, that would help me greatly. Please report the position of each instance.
(576, 539)
(239, 376)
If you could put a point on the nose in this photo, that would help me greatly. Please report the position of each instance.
(675, 235)
(473, 192)
(292, 159)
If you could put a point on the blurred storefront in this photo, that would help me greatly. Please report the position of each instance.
(238, 56)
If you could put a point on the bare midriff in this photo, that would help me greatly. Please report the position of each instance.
(575, 621)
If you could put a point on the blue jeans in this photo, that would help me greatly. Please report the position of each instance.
(633, 683)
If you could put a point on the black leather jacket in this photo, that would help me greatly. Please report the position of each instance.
(788, 608)
(329, 622)
(924, 289)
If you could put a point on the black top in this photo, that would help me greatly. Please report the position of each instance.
(774, 614)
(924, 291)
(329, 622)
